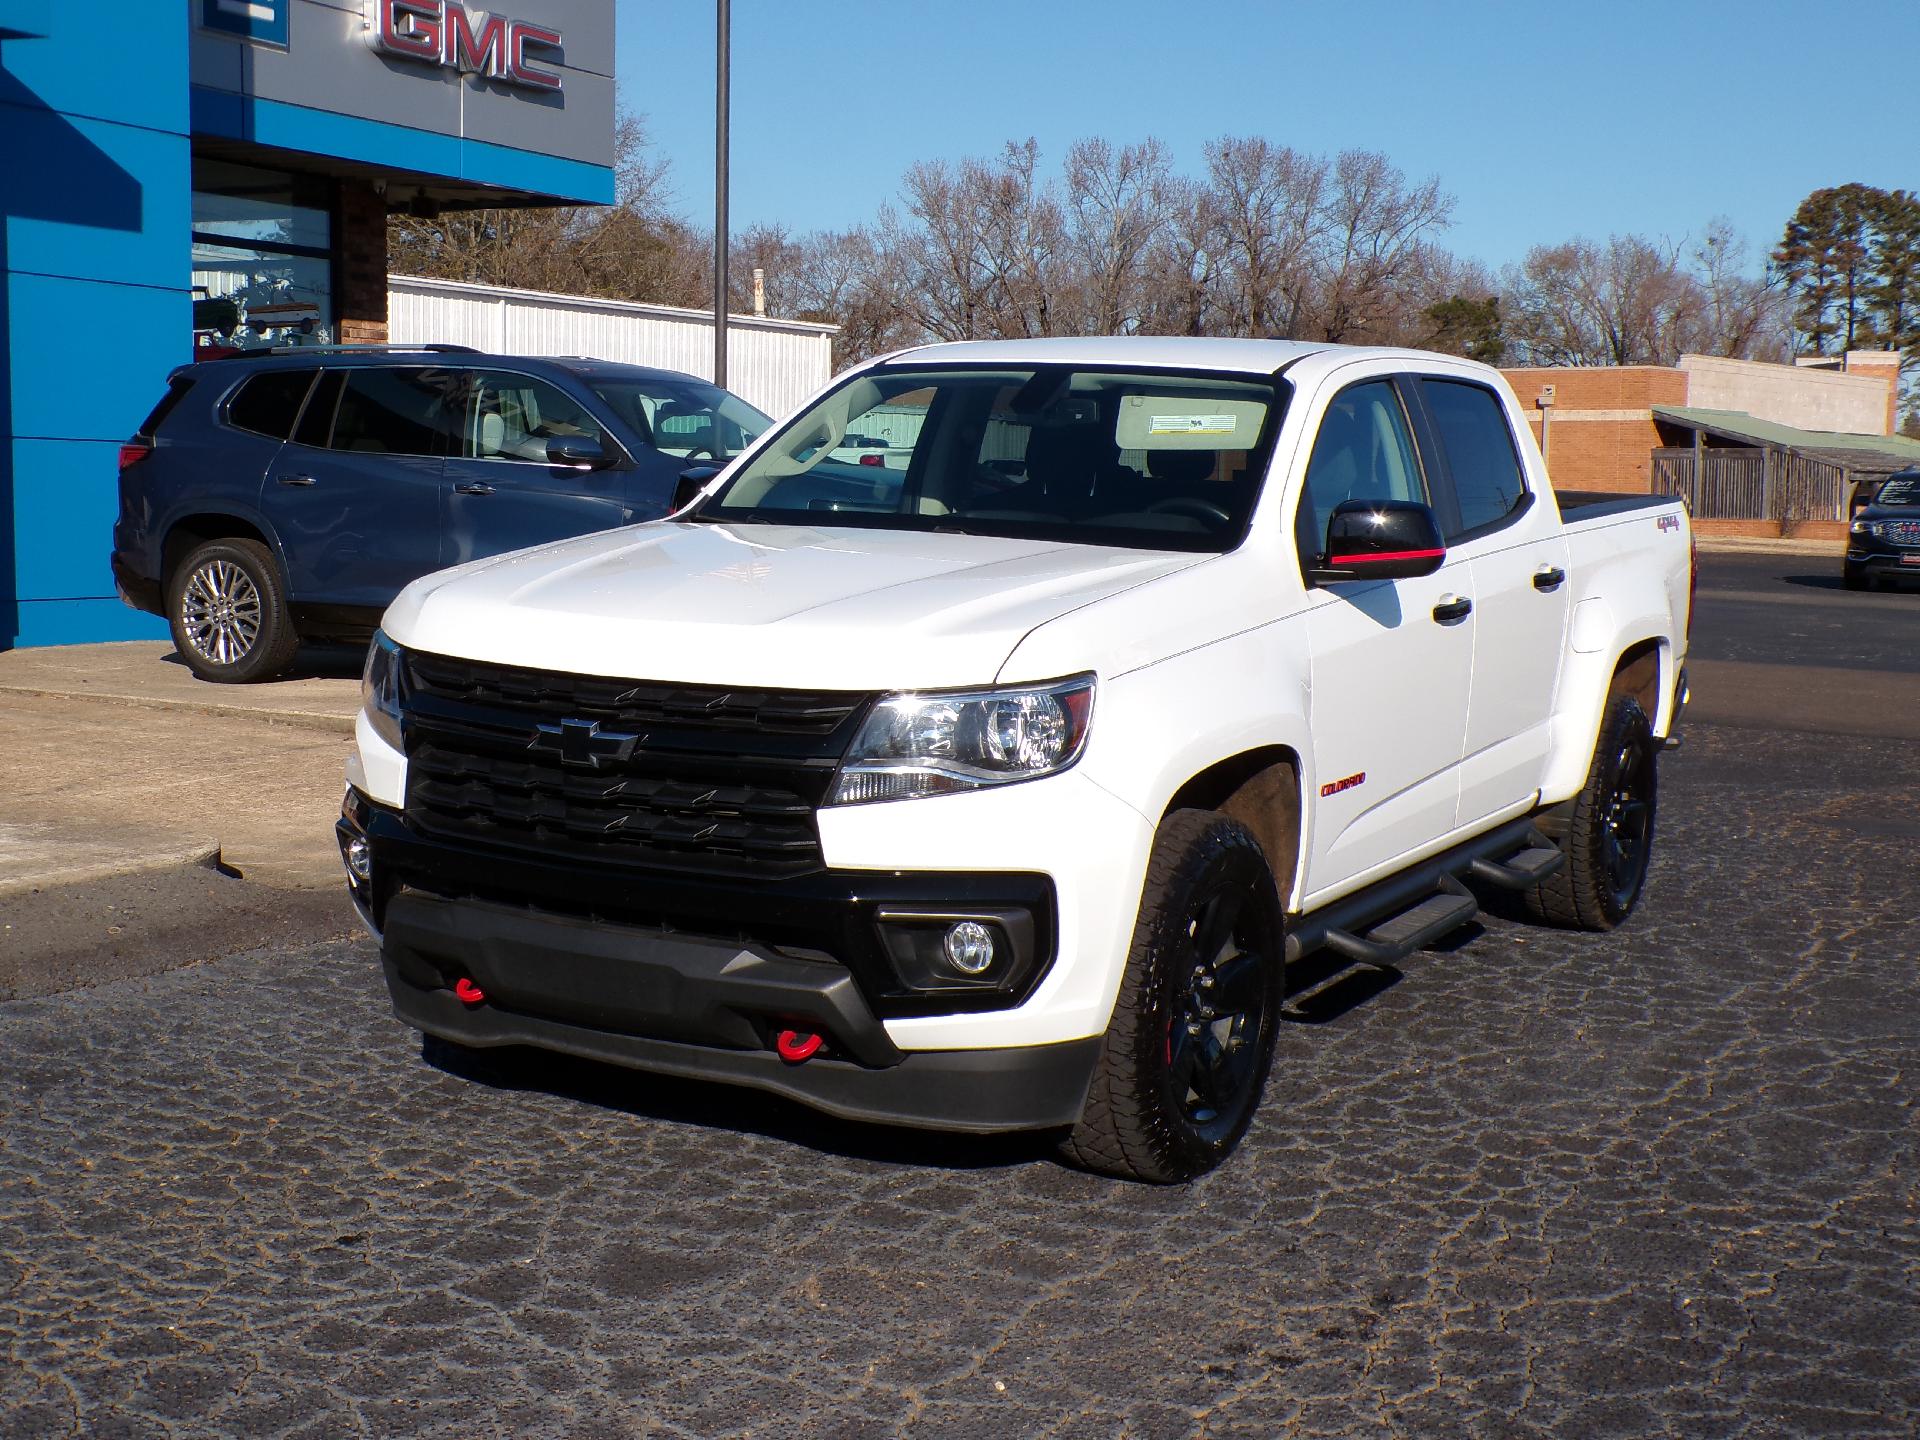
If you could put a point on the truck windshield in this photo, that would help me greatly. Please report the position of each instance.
(1139, 459)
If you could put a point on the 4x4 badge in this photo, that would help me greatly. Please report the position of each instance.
(584, 743)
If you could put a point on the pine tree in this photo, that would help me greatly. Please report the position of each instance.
(1825, 257)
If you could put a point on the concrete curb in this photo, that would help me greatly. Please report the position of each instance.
(197, 855)
(304, 719)
(1738, 545)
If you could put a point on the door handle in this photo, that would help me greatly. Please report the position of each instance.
(1548, 578)
(1452, 609)
(478, 487)
(297, 480)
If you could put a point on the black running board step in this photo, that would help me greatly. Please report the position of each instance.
(1386, 944)
(1522, 871)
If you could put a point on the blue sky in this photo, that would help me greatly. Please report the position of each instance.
(1543, 121)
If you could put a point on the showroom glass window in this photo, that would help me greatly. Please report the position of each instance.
(262, 257)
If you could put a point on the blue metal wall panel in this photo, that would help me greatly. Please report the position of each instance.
(94, 252)
(68, 517)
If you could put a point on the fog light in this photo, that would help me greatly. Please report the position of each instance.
(359, 860)
(969, 947)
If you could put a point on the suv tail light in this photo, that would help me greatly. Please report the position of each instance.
(872, 460)
(132, 453)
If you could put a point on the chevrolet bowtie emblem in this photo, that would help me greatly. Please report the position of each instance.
(584, 743)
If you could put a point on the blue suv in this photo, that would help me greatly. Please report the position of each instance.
(287, 497)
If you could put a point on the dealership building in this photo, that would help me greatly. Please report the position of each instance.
(189, 177)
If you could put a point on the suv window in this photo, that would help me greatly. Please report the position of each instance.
(316, 421)
(268, 404)
(393, 412)
(1364, 452)
(505, 416)
(1485, 468)
(177, 389)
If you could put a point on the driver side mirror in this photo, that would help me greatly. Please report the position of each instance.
(584, 452)
(692, 481)
(1380, 540)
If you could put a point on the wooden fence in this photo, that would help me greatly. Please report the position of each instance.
(1753, 484)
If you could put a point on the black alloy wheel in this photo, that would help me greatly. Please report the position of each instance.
(1626, 821)
(1185, 1057)
(1606, 831)
(1219, 1013)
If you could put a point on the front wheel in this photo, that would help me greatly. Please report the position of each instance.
(228, 614)
(1186, 1055)
(1609, 839)
(1854, 577)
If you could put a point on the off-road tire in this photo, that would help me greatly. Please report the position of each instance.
(1584, 895)
(1133, 1126)
(273, 642)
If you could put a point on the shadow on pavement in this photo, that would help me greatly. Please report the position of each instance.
(1813, 582)
(312, 662)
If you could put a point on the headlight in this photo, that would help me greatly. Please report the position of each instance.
(1866, 527)
(914, 745)
(380, 686)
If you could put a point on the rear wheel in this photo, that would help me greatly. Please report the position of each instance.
(228, 613)
(1186, 1055)
(1609, 839)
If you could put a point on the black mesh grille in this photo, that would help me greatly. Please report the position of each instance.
(666, 777)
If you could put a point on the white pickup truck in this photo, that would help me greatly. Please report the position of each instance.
(1002, 791)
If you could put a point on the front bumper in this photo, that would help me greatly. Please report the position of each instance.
(704, 1009)
(698, 976)
(1866, 556)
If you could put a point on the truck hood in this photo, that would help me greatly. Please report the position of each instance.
(774, 605)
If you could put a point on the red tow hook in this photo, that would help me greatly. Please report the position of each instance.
(797, 1046)
(468, 993)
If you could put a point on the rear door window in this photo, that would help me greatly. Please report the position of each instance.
(268, 404)
(1364, 451)
(394, 412)
(316, 421)
(1471, 426)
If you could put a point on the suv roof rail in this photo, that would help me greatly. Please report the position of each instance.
(367, 349)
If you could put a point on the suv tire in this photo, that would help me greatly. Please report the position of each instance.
(1186, 1055)
(1609, 838)
(229, 614)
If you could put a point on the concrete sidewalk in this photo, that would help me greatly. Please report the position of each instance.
(116, 760)
(1767, 545)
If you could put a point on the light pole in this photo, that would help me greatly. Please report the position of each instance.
(723, 11)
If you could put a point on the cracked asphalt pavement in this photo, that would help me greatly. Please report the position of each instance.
(1661, 1182)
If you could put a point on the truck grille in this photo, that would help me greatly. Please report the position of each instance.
(700, 779)
(1904, 532)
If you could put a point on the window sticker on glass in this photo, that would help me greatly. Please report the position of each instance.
(1200, 421)
(1190, 425)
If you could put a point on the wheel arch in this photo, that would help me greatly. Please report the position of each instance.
(197, 527)
(1641, 666)
(1260, 789)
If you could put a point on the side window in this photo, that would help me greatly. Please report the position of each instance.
(393, 412)
(515, 417)
(1473, 431)
(268, 404)
(316, 421)
(1364, 451)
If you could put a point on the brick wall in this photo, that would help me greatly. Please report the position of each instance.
(1601, 434)
(360, 298)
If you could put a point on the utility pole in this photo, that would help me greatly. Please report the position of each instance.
(723, 11)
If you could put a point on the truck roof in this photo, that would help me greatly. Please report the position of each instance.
(1179, 352)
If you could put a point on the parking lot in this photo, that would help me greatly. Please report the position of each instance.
(1658, 1182)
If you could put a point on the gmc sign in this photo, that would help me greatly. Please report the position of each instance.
(445, 32)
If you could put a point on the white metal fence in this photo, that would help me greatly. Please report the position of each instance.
(774, 364)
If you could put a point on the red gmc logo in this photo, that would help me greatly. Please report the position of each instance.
(445, 32)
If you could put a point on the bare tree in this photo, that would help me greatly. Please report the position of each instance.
(1118, 206)
(1373, 245)
(1185, 274)
(1628, 302)
(1266, 201)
